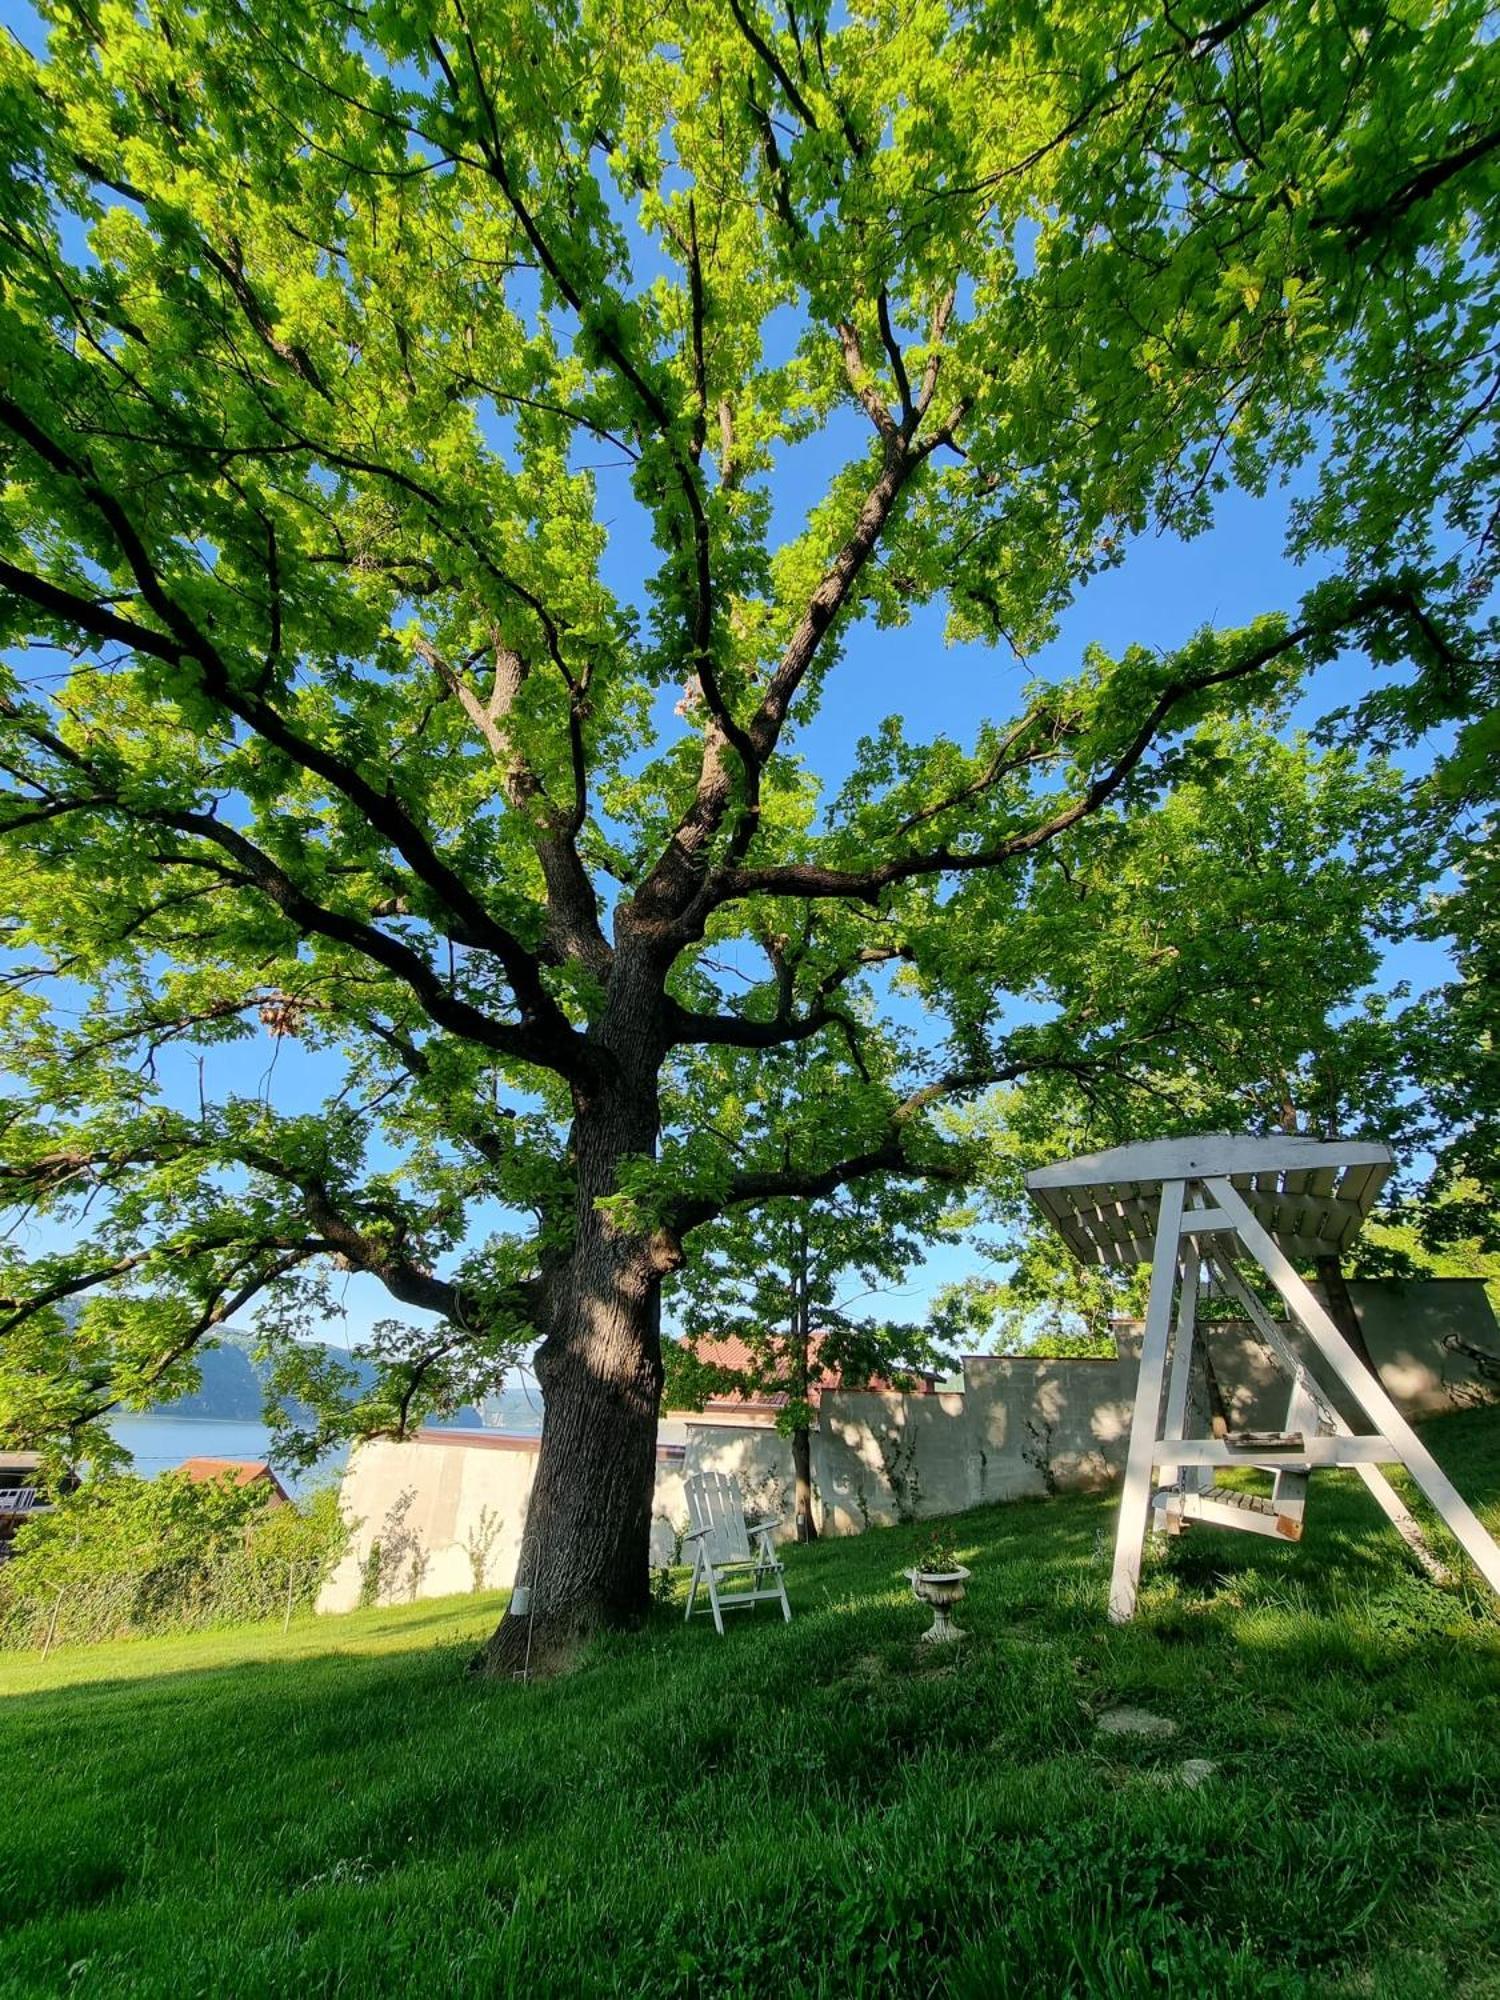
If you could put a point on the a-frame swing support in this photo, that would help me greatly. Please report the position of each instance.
(1192, 1206)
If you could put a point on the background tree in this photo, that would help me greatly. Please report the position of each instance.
(1453, 1041)
(788, 1278)
(1041, 1301)
(330, 341)
(1270, 890)
(121, 1554)
(785, 1281)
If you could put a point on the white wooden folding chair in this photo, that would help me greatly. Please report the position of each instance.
(722, 1550)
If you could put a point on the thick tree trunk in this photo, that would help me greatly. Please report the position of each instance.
(584, 1562)
(807, 1527)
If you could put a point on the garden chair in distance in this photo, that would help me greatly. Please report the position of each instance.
(722, 1550)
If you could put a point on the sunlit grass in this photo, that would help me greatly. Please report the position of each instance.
(820, 1808)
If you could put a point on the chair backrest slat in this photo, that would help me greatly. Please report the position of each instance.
(714, 1503)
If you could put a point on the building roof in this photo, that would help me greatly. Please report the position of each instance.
(1311, 1195)
(730, 1352)
(244, 1471)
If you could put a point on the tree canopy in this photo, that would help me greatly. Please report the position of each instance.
(337, 346)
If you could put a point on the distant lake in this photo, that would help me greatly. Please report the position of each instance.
(157, 1444)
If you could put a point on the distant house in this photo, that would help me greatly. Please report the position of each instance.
(763, 1406)
(243, 1471)
(22, 1493)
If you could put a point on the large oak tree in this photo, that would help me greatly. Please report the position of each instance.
(336, 341)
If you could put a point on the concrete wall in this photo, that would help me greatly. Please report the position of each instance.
(1021, 1427)
(448, 1503)
(1031, 1427)
(1404, 1326)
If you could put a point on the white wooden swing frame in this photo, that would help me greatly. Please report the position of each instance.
(1190, 1205)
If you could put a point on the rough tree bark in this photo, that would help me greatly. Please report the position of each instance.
(585, 1549)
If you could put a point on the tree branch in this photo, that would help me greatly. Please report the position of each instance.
(567, 1053)
(857, 370)
(888, 1156)
(674, 887)
(737, 1032)
(893, 353)
(572, 1056)
(811, 879)
(572, 904)
(774, 64)
(220, 1309)
(1370, 218)
(182, 642)
(381, 1254)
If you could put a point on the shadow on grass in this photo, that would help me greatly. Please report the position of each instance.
(835, 1808)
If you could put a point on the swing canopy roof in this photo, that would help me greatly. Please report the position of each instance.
(1311, 1195)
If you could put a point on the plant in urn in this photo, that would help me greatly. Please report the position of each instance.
(939, 1580)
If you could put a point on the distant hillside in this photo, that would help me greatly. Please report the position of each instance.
(230, 1389)
(233, 1384)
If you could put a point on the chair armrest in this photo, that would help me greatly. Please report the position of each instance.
(696, 1534)
(763, 1527)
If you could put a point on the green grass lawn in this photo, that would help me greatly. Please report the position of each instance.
(820, 1808)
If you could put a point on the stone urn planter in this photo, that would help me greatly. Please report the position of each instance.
(942, 1589)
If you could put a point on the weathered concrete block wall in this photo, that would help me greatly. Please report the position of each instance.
(428, 1503)
(758, 1457)
(1030, 1427)
(1021, 1427)
(1405, 1325)
(444, 1502)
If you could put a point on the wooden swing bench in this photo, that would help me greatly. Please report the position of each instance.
(1278, 1513)
(1190, 1207)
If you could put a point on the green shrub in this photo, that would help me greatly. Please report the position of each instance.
(123, 1557)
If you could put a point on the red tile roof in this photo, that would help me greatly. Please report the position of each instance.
(245, 1472)
(731, 1352)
